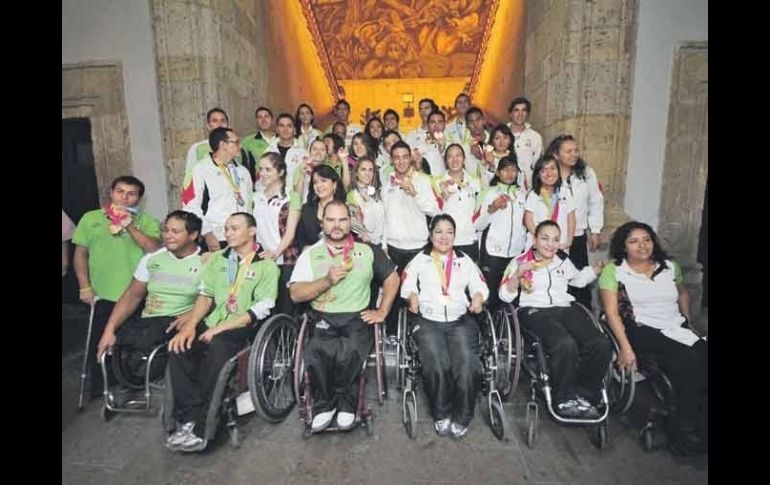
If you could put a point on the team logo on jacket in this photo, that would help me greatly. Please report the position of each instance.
(251, 274)
(322, 325)
(194, 270)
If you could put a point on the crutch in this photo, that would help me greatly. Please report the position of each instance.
(84, 369)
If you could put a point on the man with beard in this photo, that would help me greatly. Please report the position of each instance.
(335, 275)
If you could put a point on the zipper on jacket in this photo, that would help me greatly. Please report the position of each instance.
(548, 291)
(510, 232)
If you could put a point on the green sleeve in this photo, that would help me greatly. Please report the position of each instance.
(482, 197)
(267, 286)
(678, 275)
(149, 225)
(208, 278)
(351, 199)
(202, 150)
(608, 280)
(81, 236)
(295, 203)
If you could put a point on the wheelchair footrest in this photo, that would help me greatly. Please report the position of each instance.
(244, 404)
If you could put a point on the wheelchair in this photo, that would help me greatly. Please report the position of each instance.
(230, 401)
(137, 361)
(496, 359)
(302, 385)
(647, 389)
(534, 363)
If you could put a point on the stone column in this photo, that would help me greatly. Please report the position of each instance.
(685, 171)
(209, 53)
(578, 68)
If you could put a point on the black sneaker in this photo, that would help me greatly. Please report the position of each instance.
(587, 409)
(569, 409)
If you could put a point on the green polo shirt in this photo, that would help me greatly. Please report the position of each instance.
(256, 294)
(111, 259)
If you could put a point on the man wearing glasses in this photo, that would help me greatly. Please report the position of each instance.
(215, 118)
(222, 187)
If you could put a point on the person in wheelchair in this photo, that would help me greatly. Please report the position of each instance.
(578, 352)
(647, 307)
(335, 275)
(168, 278)
(435, 283)
(238, 289)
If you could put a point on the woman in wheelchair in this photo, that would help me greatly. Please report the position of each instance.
(238, 289)
(578, 352)
(435, 284)
(647, 308)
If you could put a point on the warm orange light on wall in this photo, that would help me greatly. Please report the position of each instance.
(500, 74)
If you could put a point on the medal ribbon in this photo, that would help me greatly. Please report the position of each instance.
(444, 274)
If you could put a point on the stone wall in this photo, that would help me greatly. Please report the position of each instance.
(578, 76)
(685, 171)
(95, 91)
(209, 53)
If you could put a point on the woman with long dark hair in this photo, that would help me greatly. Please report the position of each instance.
(326, 186)
(648, 308)
(581, 182)
(277, 211)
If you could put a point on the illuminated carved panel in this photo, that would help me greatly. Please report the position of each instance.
(401, 39)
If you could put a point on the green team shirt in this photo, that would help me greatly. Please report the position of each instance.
(256, 294)
(352, 293)
(172, 283)
(111, 259)
(255, 146)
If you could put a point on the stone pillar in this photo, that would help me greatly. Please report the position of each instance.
(209, 53)
(578, 68)
(685, 171)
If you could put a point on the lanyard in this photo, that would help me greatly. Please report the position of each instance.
(235, 276)
(444, 274)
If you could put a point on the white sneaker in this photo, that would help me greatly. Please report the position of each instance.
(193, 443)
(345, 421)
(322, 420)
(175, 440)
(458, 430)
(442, 426)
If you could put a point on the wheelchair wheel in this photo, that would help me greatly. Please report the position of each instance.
(517, 347)
(532, 423)
(369, 424)
(508, 349)
(223, 397)
(379, 368)
(401, 349)
(409, 416)
(621, 383)
(299, 364)
(602, 434)
(235, 436)
(497, 420)
(107, 414)
(647, 437)
(531, 433)
(270, 371)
